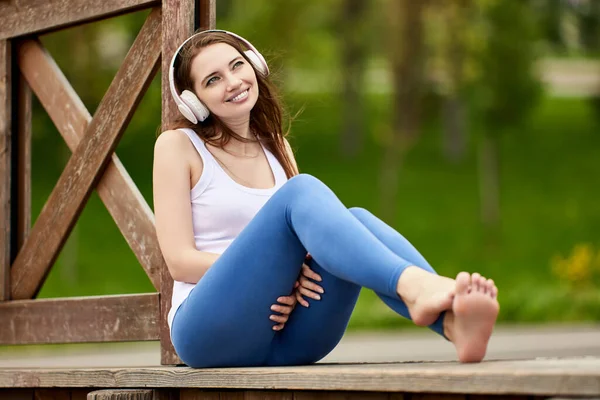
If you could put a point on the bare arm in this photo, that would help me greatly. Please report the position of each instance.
(172, 207)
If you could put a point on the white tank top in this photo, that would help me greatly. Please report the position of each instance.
(221, 208)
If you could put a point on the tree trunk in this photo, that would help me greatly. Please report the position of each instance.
(489, 181)
(353, 55)
(406, 33)
(455, 137)
(454, 116)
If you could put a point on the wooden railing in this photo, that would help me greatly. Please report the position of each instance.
(28, 253)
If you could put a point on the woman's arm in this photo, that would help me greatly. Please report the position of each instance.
(173, 210)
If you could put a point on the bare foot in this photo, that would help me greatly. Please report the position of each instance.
(474, 311)
(426, 295)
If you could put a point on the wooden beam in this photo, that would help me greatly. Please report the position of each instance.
(178, 25)
(122, 394)
(79, 319)
(559, 377)
(5, 166)
(22, 17)
(24, 161)
(207, 14)
(116, 189)
(86, 164)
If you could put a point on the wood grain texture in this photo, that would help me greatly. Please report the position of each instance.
(539, 377)
(116, 189)
(24, 161)
(309, 395)
(21, 17)
(178, 25)
(208, 14)
(5, 166)
(83, 319)
(86, 164)
(122, 394)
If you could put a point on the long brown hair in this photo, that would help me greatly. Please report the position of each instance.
(266, 117)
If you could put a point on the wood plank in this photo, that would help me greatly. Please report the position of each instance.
(86, 164)
(439, 396)
(116, 189)
(178, 25)
(562, 377)
(24, 162)
(5, 166)
(309, 395)
(79, 319)
(122, 394)
(207, 14)
(21, 17)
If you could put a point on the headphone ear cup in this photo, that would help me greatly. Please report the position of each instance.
(255, 60)
(195, 105)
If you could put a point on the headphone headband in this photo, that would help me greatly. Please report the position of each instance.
(188, 109)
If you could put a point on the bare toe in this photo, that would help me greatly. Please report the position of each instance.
(476, 281)
(490, 285)
(463, 281)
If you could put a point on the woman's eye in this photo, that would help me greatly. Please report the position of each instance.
(211, 80)
(238, 64)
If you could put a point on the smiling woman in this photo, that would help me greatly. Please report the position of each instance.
(246, 238)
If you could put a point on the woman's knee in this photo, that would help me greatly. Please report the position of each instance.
(360, 213)
(304, 186)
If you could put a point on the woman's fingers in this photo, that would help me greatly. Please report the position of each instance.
(282, 309)
(289, 300)
(282, 319)
(307, 284)
(301, 300)
(309, 293)
(309, 273)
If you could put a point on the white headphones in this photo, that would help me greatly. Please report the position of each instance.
(188, 103)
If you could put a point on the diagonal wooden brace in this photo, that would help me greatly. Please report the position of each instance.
(87, 162)
(116, 189)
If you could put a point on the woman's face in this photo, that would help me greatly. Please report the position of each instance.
(225, 82)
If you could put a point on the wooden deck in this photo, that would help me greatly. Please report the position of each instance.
(543, 378)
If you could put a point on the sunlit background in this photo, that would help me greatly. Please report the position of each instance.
(471, 126)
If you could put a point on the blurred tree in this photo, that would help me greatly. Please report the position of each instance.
(275, 27)
(353, 19)
(589, 22)
(456, 16)
(407, 54)
(508, 88)
(551, 13)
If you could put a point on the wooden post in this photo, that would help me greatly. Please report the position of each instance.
(122, 394)
(5, 166)
(23, 160)
(178, 25)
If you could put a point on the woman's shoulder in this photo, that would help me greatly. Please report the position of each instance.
(173, 144)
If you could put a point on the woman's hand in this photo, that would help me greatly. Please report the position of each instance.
(284, 306)
(305, 285)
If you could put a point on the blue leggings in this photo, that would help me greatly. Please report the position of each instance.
(225, 320)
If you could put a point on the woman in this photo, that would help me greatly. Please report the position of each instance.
(245, 237)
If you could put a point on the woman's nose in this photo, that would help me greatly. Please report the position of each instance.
(233, 82)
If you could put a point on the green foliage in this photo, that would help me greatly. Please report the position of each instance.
(507, 89)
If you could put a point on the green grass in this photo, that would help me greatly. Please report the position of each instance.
(549, 197)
